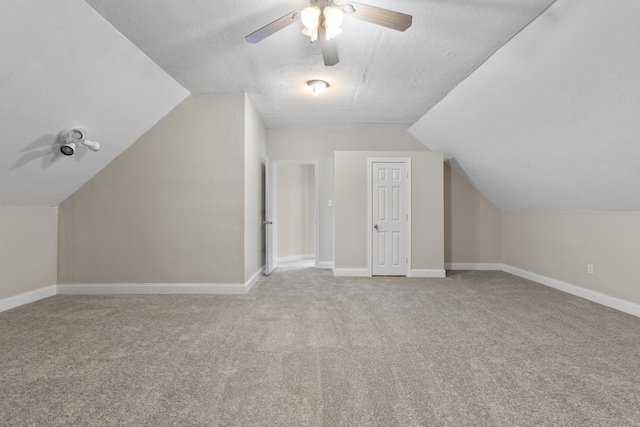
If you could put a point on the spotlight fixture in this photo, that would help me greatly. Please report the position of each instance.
(71, 137)
(317, 86)
(68, 149)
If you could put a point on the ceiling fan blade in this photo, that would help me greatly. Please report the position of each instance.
(273, 27)
(377, 15)
(329, 48)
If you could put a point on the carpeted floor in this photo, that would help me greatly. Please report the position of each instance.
(307, 349)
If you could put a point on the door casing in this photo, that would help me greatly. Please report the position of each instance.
(271, 207)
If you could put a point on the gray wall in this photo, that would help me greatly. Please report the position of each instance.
(472, 224)
(170, 209)
(27, 248)
(560, 244)
(427, 208)
(255, 156)
(302, 144)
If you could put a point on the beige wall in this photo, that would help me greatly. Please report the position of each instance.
(351, 209)
(255, 155)
(301, 144)
(471, 223)
(295, 210)
(27, 248)
(170, 209)
(559, 245)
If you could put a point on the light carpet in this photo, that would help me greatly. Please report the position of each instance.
(305, 348)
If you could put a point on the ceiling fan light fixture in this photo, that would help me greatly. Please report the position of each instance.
(333, 18)
(317, 86)
(311, 32)
(331, 32)
(310, 16)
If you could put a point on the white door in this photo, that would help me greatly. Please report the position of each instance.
(389, 219)
(270, 181)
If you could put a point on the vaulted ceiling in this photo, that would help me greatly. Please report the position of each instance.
(484, 86)
(63, 65)
(385, 78)
(552, 120)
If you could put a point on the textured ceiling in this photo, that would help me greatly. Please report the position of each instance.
(385, 78)
(551, 121)
(62, 64)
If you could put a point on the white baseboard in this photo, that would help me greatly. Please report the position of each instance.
(296, 257)
(609, 301)
(325, 264)
(351, 272)
(482, 266)
(152, 288)
(427, 273)
(254, 279)
(27, 297)
(364, 272)
(160, 288)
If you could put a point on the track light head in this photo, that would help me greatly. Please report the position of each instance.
(68, 149)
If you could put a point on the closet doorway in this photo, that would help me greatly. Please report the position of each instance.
(293, 201)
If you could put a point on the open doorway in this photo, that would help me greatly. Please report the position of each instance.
(293, 201)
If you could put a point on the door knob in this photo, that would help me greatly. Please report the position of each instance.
(267, 222)
(375, 226)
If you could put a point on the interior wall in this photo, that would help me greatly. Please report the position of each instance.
(472, 224)
(170, 209)
(351, 208)
(28, 236)
(295, 211)
(304, 144)
(255, 157)
(560, 244)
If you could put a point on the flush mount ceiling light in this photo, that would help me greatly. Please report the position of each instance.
(323, 20)
(317, 86)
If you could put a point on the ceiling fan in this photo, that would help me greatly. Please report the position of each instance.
(323, 19)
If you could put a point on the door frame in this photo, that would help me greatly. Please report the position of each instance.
(370, 162)
(274, 203)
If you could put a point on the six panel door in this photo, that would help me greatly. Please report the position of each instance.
(389, 219)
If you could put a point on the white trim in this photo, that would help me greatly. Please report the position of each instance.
(152, 288)
(370, 162)
(482, 266)
(296, 257)
(351, 272)
(27, 297)
(254, 279)
(324, 264)
(160, 288)
(597, 297)
(427, 273)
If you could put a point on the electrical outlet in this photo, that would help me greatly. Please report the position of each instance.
(590, 268)
(330, 203)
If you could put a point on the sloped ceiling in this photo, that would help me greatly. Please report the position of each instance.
(384, 78)
(548, 122)
(552, 120)
(62, 64)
